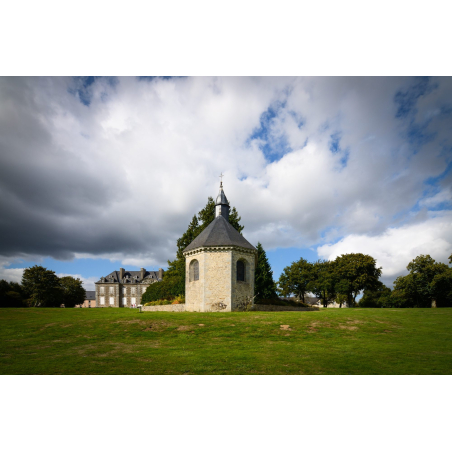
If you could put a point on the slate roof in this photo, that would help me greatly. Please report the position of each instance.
(311, 300)
(219, 233)
(90, 295)
(130, 276)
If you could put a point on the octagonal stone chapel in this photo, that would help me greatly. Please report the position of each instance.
(219, 265)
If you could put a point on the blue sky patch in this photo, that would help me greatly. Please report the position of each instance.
(406, 100)
(274, 146)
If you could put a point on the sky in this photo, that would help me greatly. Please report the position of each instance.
(107, 172)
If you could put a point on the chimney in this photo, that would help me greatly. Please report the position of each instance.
(160, 273)
(143, 271)
(121, 273)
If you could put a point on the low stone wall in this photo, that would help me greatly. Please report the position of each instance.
(165, 307)
(256, 307)
(267, 307)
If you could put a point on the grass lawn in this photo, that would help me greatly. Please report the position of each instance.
(124, 341)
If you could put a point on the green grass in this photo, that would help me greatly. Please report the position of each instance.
(124, 341)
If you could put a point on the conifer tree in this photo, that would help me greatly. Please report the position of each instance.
(264, 286)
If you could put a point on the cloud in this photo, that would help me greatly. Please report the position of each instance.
(116, 167)
(396, 247)
(88, 283)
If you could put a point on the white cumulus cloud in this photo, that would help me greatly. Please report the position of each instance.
(396, 247)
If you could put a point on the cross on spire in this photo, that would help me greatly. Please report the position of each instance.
(221, 177)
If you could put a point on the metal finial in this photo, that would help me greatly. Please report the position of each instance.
(221, 182)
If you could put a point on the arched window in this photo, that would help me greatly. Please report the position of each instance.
(240, 271)
(194, 270)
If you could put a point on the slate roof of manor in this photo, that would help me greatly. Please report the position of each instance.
(90, 295)
(219, 233)
(131, 276)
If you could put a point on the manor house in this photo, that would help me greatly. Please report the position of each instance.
(123, 288)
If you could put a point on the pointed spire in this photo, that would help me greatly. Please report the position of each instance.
(222, 204)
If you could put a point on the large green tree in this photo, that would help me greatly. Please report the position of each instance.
(428, 281)
(355, 272)
(295, 279)
(264, 286)
(42, 286)
(173, 283)
(323, 281)
(73, 291)
(378, 297)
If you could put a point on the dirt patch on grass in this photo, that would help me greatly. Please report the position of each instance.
(157, 326)
(347, 327)
(313, 327)
(185, 328)
(285, 327)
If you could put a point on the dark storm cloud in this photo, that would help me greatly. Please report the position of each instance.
(53, 199)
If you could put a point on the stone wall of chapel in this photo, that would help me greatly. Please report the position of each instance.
(194, 290)
(217, 280)
(242, 290)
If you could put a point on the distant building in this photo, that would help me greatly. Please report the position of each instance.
(123, 288)
(316, 301)
(90, 299)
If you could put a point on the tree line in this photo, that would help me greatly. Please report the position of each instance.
(428, 283)
(41, 287)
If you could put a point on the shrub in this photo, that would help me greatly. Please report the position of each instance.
(180, 299)
(158, 302)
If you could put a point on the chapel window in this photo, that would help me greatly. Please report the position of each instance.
(194, 270)
(240, 271)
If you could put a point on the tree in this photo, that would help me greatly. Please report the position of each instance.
(355, 272)
(73, 291)
(174, 278)
(428, 281)
(42, 286)
(379, 297)
(295, 279)
(323, 281)
(11, 295)
(264, 286)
